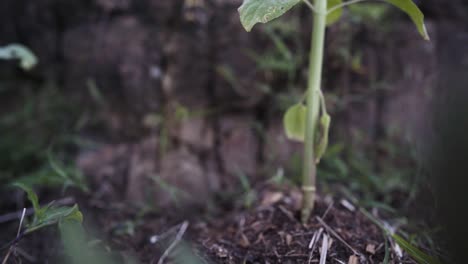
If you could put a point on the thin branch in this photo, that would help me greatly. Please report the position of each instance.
(157, 238)
(313, 243)
(21, 222)
(324, 251)
(17, 237)
(7, 256)
(174, 243)
(329, 206)
(14, 241)
(329, 229)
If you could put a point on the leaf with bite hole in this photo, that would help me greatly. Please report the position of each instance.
(263, 11)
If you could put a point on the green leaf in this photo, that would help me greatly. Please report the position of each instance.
(17, 51)
(48, 215)
(294, 122)
(336, 14)
(32, 197)
(53, 215)
(263, 11)
(78, 249)
(414, 252)
(74, 215)
(415, 14)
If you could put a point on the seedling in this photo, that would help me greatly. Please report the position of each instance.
(43, 216)
(309, 122)
(49, 214)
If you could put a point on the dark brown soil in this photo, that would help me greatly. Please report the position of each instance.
(267, 232)
(270, 232)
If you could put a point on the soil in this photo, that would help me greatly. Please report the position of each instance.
(269, 231)
(272, 233)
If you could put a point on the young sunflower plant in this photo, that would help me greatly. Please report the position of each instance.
(310, 122)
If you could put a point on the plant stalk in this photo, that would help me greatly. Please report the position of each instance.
(313, 104)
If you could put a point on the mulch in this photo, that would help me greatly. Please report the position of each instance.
(269, 231)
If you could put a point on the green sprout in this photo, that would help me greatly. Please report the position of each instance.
(309, 122)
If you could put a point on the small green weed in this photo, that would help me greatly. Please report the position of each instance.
(49, 214)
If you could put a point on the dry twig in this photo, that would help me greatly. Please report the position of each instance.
(174, 243)
(324, 251)
(331, 231)
(313, 243)
(328, 209)
(17, 236)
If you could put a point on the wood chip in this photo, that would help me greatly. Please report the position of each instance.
(324, 249)
(260, 238)
(370, 248)
(346, 204)
(313, 243)
(244, 241)
(353, 259)
(339, 261)
(287, 213)
(315, 238)
(398, 251)
(271, 198)
(288, 239)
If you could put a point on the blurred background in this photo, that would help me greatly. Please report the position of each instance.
(156, 102)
